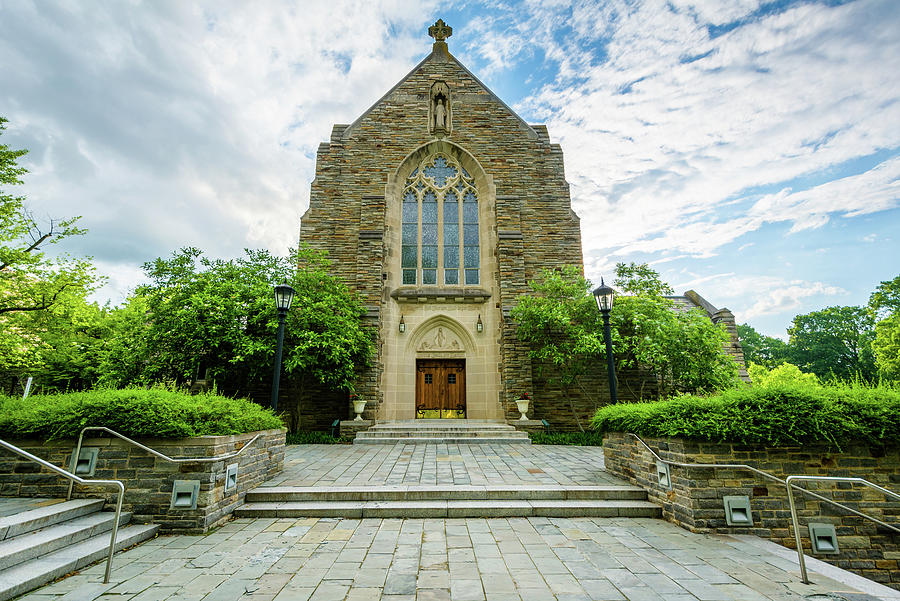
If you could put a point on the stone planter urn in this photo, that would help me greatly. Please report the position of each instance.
(358, 407)
(522, 405)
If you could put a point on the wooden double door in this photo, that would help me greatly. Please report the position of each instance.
(441, 388)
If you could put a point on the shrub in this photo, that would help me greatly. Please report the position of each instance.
(315, 437)
(775, 415)
(786, 373)
(134, 412)
(580, 439)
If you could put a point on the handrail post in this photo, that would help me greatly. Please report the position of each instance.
(115, 531)
(790, 494)
(75, 463)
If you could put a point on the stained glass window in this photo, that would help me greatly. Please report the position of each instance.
(440, 225)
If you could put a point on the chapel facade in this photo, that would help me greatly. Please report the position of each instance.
(437, 206)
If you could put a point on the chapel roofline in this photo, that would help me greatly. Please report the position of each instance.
(439, 52)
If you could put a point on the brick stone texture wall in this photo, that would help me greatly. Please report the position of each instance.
(695, 500)
(534, 227)
(148, 479)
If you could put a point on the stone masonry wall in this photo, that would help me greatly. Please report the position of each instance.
(148, 480)
(535, 225)
(696, 498)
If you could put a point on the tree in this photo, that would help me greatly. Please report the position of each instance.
(31, 283)
(785, 373)
(835, 342)
(683, 348)
(763, 350)
(561, 324)
(216, 318)
(640, 279)
(887, 347)
(885, 300)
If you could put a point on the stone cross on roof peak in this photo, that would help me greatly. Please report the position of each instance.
(440, 31)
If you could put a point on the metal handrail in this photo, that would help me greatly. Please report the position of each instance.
(153, 451)
(788, 483)
(755, 471)
(73, 478)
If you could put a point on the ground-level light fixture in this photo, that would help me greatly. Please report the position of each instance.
(604, 294)
(284, 295)
(479, 325)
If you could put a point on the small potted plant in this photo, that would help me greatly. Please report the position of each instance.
(522, 404)
(359, 405)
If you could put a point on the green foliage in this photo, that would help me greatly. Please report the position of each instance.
(761, 349)
(560, 321)
(885, 300)
(786, 373)
(220, 316)
(886, 346)
(835, 342)
(37, 292)
(135, 412)
(579, 439)
(640, 279)
(774, 415)
(682, 347)
(315, 437)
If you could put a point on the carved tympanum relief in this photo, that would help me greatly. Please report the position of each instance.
(439, 341)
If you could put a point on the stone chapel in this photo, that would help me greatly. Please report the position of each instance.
(437, 206)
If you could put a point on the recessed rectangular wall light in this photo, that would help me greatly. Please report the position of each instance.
(824, 539)
(663, 475)
(87, 461)
(185, 494)
(231, 477)
(737, 511)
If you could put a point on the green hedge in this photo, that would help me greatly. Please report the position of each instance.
(315, 437)
(135, 412)
(776, 415)
(581, 439)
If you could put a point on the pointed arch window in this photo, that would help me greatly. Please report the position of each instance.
(440, 225)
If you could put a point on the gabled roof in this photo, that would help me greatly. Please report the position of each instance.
(438, 53)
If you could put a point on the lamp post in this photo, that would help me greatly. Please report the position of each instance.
(284, 294)
(603, 294)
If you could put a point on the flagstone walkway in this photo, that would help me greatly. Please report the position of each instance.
(502, 559)
(436, 464)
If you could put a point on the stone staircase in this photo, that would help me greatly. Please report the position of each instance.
(448, 501)
(39, 545)
(463, 431)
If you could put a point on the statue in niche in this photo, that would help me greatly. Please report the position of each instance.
(439, 111)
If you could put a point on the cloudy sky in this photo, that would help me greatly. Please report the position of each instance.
(749, 150)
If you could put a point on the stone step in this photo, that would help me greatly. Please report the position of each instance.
(33, 544)
(35, 519)
(441, 434)
(450, 424)
(35, 572)
(276, 494)
(441, 439)
(450, 509)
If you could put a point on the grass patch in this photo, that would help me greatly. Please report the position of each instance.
(135, 412)
(779, 414)
(580, 439)
(315, 437)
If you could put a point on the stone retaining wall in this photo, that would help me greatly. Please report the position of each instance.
(695, 500)
(149, 480)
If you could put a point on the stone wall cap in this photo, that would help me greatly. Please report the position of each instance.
(412, 294)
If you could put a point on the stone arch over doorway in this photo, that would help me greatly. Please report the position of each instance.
(441, 319)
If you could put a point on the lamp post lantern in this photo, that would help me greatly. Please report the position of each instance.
(603, 294)
(284, 295)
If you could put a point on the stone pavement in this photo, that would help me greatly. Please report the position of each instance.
(435, 464)
(521, 559)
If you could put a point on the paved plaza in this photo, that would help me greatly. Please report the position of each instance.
(527, 559)
(437, 464)
(463, 559)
